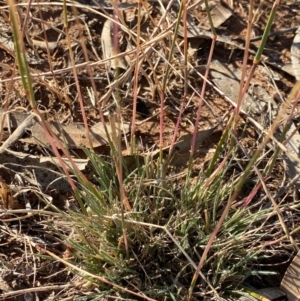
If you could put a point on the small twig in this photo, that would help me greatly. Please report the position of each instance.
(17, 133)
(276, 33)
(34, 289)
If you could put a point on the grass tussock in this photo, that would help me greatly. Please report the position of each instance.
(154, 249)
(139, 228)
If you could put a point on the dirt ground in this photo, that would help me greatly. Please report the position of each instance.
(56, 93)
